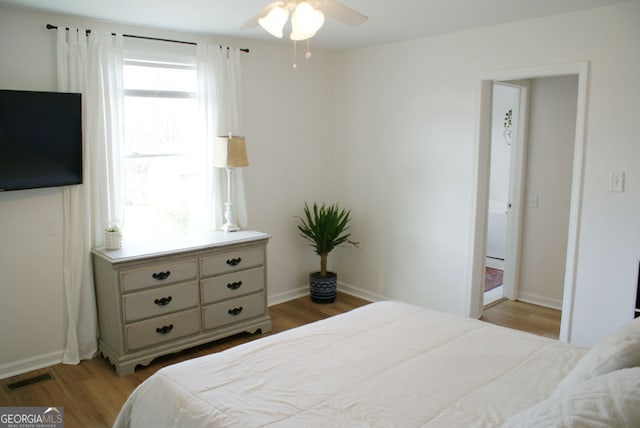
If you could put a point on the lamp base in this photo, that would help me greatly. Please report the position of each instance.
(230, 227)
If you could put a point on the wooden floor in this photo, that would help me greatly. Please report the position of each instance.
(526, 317)
(92, 394)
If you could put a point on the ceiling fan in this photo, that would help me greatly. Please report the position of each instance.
(307, 17)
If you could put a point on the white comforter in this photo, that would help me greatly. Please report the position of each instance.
(387, 364)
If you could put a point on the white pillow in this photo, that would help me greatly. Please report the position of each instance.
(618, 350)
(610, 400)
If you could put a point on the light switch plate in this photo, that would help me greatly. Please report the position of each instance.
(616, 183)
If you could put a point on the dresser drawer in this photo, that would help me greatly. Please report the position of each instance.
(232, 285)
(158, 274)
(231, 261)
(230, 311)
(159, 301)
(162, 329)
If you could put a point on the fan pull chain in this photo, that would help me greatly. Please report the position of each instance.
(307, 54)
(294, 55)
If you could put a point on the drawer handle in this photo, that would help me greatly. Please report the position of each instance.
(164, 329)
(234, 262)
(234, 285)
(235, 311)
(163, 302)
(161, 275)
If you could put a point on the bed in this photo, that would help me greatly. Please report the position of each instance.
(392, 364)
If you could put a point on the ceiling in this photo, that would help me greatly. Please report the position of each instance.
(389, 21)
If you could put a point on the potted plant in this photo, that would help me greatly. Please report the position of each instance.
(325, 227)
(112, 237)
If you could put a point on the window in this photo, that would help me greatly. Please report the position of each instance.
(164, 166)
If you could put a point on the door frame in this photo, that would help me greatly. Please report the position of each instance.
(480, 192)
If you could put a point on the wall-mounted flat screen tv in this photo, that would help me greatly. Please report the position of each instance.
(40, 139)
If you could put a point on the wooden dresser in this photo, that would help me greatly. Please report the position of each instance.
(159, 298)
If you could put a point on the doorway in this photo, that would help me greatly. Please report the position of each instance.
(481, 194)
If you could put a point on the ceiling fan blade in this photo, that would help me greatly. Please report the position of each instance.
(253, 22)
(341, 13)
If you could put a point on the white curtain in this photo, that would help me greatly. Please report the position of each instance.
(91, 65)
(220, 82)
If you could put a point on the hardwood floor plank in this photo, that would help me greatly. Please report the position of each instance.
(526, 317)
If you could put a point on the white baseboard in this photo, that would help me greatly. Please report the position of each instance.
(275, 299)
(540, 300)
(29, 364)
(359, 292)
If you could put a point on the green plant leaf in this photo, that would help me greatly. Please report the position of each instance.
(325, 227)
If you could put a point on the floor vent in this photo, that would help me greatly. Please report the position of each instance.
(26, 382)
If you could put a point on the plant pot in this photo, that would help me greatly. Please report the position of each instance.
(323, 289)
(113, 240)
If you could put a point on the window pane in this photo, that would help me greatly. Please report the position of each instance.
(164, 196)
(160, 125)
(159, 77)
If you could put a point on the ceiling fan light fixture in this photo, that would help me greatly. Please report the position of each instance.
(305, 22)
(274, 21)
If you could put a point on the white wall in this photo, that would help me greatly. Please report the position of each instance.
(31, 260)
(405, 116)
(31, 264)
(288, 139)
(552, 124)
(609, 248)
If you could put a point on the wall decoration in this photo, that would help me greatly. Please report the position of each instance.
(507, 126)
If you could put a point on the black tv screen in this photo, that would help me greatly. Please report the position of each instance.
(40, 139)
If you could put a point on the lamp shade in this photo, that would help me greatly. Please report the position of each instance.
(230, 152)
(305, 22)
(274, 21)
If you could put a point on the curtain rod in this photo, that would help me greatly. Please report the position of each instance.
(133, 36)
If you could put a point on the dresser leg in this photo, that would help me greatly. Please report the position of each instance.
(126, 369)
